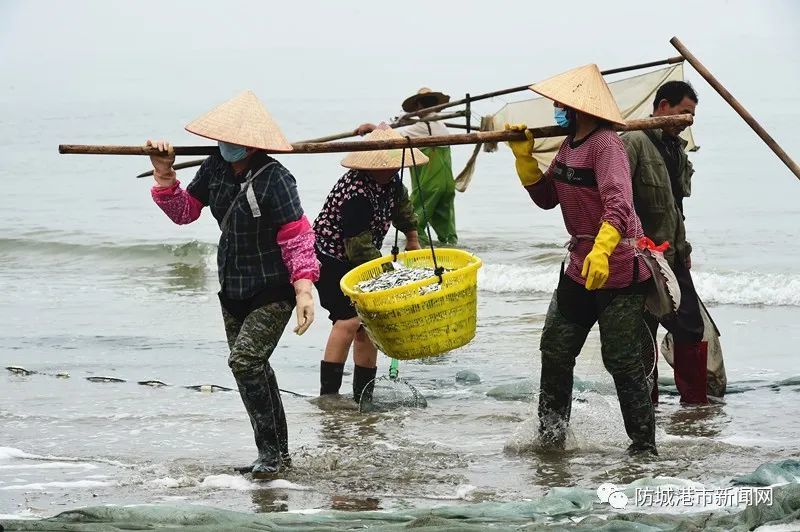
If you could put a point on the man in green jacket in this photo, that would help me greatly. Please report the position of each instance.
(433, 187)
(661, 174)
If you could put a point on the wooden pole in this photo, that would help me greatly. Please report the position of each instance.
(389, 144)
(468, 127)
(393, 125)
(337, 136)
(176, 166)
(738, 107)
(520, 88)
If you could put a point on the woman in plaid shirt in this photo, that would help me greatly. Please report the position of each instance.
(266, 259)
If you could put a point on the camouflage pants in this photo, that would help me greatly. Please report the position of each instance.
(572, 313)
(253, 340)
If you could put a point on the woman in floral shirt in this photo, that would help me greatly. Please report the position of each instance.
(350, 230)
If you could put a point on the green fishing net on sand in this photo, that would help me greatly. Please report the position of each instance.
(561, 509)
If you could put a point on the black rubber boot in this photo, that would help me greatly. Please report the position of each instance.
(363, 383)
(637, 413)
(265, 413)
(330, 377)
(283, 429)
(555, 405)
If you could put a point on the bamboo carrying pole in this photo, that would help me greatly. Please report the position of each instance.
(520, 88)
(738, 107)
(368, 145)
(337, 136)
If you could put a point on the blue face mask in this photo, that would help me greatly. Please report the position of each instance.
(561, 116)
(232, 152)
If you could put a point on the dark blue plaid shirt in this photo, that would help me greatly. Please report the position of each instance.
(249, 259)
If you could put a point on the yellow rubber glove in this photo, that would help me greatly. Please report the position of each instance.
(595, 266)
(527, 167)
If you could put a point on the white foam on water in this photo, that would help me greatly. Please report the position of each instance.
(169, 482)
(463, 491)
(10, 453)
(242, 484)
(39, 486)
(596, 425)
(50, 465)
(24, 514)
(280, 484)
(228, 482)
(749, 288)
(515, 278)
(719, 287)
(239, 483)
(7, 453)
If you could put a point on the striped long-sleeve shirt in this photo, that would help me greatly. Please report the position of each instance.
(591, 181)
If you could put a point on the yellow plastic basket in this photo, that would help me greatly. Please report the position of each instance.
(406, 325)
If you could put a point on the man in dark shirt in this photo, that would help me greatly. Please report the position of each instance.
(661, 173)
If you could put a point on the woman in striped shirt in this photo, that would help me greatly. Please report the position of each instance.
(604, 281)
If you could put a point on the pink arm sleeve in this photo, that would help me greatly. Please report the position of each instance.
(181, 207)
(297, 240)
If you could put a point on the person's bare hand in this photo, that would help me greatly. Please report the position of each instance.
(304, 305)
(363, 129)
(162, 162)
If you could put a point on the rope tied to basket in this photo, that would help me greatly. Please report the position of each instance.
(437, 270)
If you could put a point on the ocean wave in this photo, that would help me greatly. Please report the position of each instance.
(749, 288)
(514, 278)
(533, 276)
(722, 288)
(11, 453)
(50, 465)
(192, 251)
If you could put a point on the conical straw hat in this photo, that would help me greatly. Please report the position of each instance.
(410, 103)
(382, 159)
(582, 89)
(242, 120)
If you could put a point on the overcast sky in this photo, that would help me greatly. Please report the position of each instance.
(82, 50)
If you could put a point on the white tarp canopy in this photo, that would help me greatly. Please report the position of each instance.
(634, 97)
